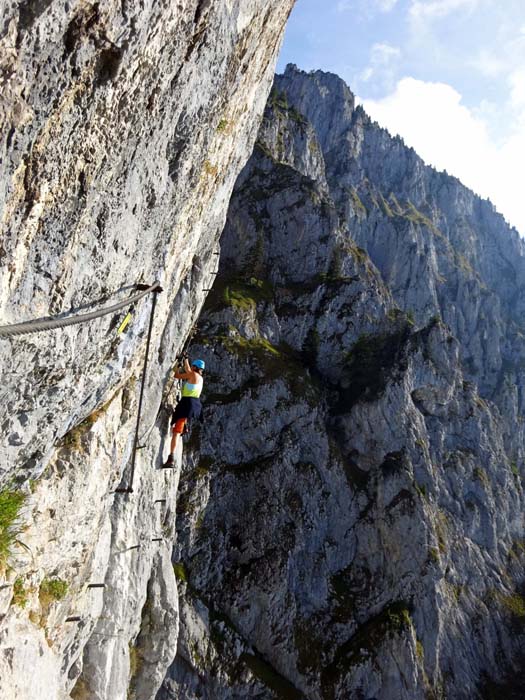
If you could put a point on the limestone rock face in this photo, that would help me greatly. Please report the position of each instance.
(440, 248)
(350, 517)
(123, 128)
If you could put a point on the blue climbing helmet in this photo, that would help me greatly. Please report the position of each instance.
(198, 363)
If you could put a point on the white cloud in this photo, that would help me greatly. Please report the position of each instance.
(488, 64)
(517, 88)
(382, 66)
(435, 9)
(369, 5)
(431, 118)
(383, 53)
(504, 55)
(386, 5)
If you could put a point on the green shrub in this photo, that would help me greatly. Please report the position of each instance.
(457, 590)
(199, 523)
(386, 207)
(20, 593)
(434, 554)
(180, 571)
(198, 659)
(222, 125)
(239, 292)
(395, 204)
(257, 346)
(421, 489)
(239, 299)
(359, 254)
(52, 589)
(251, 290)
(481, 475)
(394, 314)
(278, 100)
(11, 503)
(136, 663)
(416, 217)
(514, 603)
(357, 204)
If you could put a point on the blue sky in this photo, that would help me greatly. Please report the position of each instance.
(447, 75)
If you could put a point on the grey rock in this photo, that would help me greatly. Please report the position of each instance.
(123, 128)
(350, 519)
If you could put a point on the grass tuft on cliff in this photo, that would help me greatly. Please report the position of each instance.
(241, 293)
(20, 593)
(136, 663)
(513, 603)
(180, 571)
(52, 589)
(11, 503)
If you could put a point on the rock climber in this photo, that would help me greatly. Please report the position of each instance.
(189, 405)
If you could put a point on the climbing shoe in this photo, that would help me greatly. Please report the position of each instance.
(168, 463)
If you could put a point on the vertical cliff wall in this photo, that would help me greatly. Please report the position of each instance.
(123, 128)
(350, 519)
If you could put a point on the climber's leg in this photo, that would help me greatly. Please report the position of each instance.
(177, 430)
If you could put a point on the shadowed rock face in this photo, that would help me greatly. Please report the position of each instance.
(349, 519)
(123, 126)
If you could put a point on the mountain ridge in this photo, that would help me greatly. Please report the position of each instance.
(354, 506)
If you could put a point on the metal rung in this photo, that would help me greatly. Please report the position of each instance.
(75, 618)
(160, 500)
(96, 585)
(128, 490)
(157, 539)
